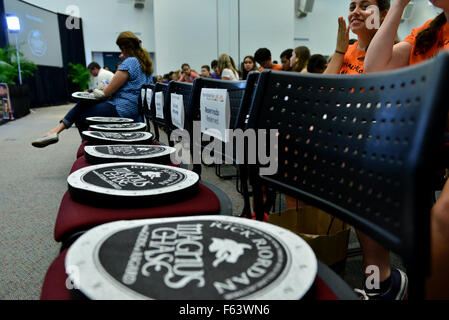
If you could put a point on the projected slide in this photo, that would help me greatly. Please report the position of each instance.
(39, 36)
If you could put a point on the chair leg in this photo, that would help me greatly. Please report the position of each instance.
(218, 173)
(246, 212)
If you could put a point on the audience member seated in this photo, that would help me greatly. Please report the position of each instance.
(214, 65)
(299, 59)
(226, 68)
(423, 43)
(285, 59)
(98, 76)
(119, 98)
(188, 74)
(348, 59)
(317, 64)
(249, 64)
(263, 58)
(205, 71)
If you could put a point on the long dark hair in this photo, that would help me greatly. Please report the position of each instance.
(133, 47)
(383, 5)
(302, 58)
(427, 38)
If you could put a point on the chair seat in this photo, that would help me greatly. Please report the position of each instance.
(74, 216)
(80, 151)
(55, 288)
(81, 162)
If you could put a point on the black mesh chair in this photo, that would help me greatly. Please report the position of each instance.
(236, 90)
(363, 148)
(144, 108)
(180, 88)
(158, 122)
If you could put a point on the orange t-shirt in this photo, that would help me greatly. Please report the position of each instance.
(353, 60)
(275, 67)
(441, 43)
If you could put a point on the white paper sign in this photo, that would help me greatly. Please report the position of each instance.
(215, 113)
(149, 98)
(142, 95)
(177, 110)
(159, 102)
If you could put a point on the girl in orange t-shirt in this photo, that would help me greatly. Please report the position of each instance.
(348, 59)
(422, 44)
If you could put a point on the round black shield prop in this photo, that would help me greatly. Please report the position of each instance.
(131, 185)
(191, 258)
(119, 127)
(98, 137)
(128, 153)
(84, 96)
(109, 120)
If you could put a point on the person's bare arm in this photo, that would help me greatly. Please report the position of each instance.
(382, 53)
(336, 62)
(437, 286)
(119, 79)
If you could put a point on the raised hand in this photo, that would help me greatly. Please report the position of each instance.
(343, 36)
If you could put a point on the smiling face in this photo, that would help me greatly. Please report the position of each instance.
(359, 13)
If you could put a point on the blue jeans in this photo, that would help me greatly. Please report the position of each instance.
(82, 110)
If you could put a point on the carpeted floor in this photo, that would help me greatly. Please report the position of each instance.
(33, 182)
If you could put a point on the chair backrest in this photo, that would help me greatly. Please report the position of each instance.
(183, 89)
(235, 89)
(157, 120)
(362, 148)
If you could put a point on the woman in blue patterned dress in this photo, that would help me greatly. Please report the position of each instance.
(121, 94)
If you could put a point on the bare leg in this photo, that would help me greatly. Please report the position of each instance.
(437, 286)
(374, 254)
(61, 126)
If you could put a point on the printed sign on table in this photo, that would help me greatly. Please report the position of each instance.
(159, 102)
(177, 110)
(215, 113)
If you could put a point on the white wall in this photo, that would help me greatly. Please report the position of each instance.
(185, 32)
(103, 20)
(266, 24)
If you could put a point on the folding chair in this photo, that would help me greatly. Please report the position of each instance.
(235, 89)
(183, 91)
(362, 148)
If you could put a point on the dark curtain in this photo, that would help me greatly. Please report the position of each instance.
(72, 46)
(3, 26)
(50, 86)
